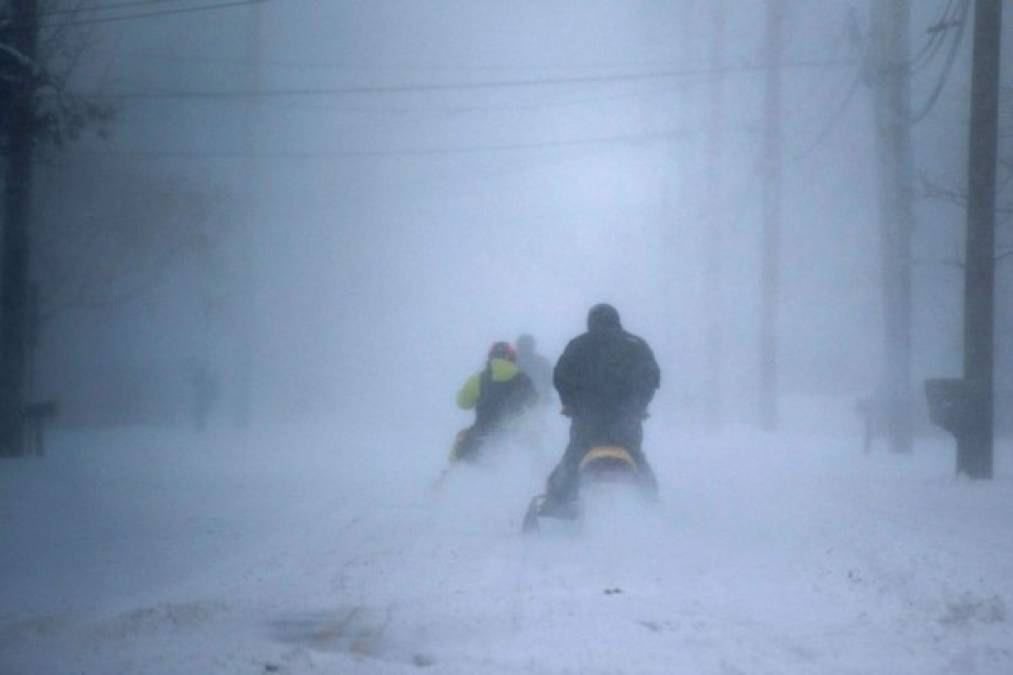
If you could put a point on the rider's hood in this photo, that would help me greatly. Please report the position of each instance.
(502, 369)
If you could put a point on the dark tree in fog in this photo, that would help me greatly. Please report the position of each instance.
(36, 111)
(114, 234)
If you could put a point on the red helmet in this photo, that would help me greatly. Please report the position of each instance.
(502, 350)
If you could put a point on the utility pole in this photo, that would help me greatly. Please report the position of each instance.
(771, 167)
(246, 236)
(15, 293)
(974, 450)
(714, 220)
(889, 27)
(682, 208)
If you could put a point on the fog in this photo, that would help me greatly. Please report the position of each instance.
(320, 215)
(403, 226)
(367, 238)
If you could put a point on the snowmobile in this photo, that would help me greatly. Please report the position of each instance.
(600, 469)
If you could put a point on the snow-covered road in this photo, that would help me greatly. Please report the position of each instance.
(312, 551)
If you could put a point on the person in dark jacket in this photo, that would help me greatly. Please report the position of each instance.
(606, 378)
(499, 393)
(536, 367)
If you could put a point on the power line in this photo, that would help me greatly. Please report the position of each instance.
(936, 39)
(828, 128)
(832, 122)
(337, 65)
(147, 15)
(104, 7)
(493, 108)
(337, 108)
(392, 152)
(930, 102)
(462, 86)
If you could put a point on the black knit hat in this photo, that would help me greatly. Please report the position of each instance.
(603, 316)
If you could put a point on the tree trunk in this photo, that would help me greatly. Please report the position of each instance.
(14, 298)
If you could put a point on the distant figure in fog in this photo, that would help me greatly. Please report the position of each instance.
(536, 367)
(606, 378)
(499, 393)
(873, 411)
(206, 388)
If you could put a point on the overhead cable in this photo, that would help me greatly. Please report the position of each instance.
(91, 8)
(833, 120)
(391, 152)
(951, 57)
(147, 15)
(362, 66)
(459, 86)
(936, 37)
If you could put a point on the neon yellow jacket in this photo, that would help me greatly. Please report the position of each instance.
(502, 370)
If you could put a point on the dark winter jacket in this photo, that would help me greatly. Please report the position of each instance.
(607, 372)
(539, 370)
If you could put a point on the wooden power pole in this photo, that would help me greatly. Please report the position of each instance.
(974, 449)
(245, 273)
(771, 215)
(15, 293)
(889, 26)
(714, 220)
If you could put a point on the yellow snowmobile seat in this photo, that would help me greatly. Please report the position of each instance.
(611, 454)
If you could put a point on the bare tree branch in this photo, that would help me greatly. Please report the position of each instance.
(18, 57)
(61, 117)
(948, 262)
(138, 229)
(58, 36)
(933, 190)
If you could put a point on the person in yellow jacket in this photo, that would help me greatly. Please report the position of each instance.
(498, 393)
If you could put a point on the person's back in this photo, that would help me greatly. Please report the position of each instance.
(497, 393)
(503, 392)
(606, 372)
(536, 367)
(606, 378)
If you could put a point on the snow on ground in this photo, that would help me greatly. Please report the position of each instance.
(330, 550)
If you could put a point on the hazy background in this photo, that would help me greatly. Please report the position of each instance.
(331, 208)
(359, 251)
